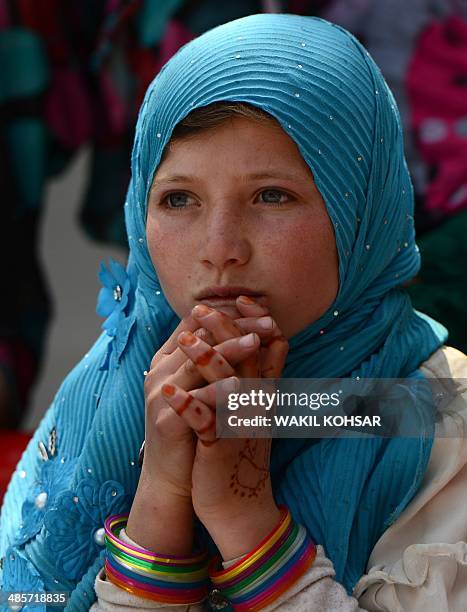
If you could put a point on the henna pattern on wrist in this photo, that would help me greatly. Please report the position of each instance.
(252, 468)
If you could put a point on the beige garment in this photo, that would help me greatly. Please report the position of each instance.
(419, 563)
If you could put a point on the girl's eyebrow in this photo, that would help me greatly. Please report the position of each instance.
(257, 176)
(176, 178)
(187, 178)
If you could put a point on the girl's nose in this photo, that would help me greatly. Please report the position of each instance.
(225, 241)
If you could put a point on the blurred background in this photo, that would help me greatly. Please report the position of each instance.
(72, 78)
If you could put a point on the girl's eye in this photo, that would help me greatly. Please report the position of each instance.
(176, 201)
(179, 200)
(274, 196)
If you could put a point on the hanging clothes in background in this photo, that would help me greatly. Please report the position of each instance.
(72, 74)
(391, 42)
(437, 90)
(423, 57)
(25, 305)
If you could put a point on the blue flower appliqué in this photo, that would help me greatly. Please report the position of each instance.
(115, 301)
(54, 478)
(19, 575)
(71, 526)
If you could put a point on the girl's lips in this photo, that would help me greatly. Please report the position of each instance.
(215, 301)
(225, 291)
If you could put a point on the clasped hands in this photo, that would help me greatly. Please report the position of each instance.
(227, 481)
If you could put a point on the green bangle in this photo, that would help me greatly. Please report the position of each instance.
(148, 565)
(263, 567)
(197, 576)
(272, 571)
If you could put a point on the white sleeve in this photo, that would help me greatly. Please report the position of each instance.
(428, 577)
(316, 591)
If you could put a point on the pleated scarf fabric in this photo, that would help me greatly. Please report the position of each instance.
(326, 92)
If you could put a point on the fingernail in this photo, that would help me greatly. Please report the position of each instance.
(187, 338)
(201, 310)
(266, 322)
(230, 385)
(248, 340)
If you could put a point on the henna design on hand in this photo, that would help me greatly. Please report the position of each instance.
(252, 469)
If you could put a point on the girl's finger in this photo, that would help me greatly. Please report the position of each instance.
(273, 355)
(186, 324)
(189, 375)
(215, 363)
(265, 327)
(221, 326)
(248, 306)
(216, 391)
(274, 346)
(200, 417)
(177, 358)
(273, 349)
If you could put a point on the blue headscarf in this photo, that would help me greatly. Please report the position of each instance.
(328, 95)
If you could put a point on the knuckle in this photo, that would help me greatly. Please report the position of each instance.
(157, 357)
(162, 425)
(150, 395)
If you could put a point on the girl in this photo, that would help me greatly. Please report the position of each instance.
(270, 224)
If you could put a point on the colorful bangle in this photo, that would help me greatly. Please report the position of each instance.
(163, 578)
(269, 570)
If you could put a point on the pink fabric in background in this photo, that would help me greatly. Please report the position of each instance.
(13, 443)
(437, 87)
(4, 20)
(176, 35)
(68, 110)
(116, 107)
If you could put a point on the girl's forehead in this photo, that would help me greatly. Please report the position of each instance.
(259, 146)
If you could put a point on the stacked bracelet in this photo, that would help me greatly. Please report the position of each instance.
(162, 578)
(271, 568)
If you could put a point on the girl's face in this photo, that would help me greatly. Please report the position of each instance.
(237, 206)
